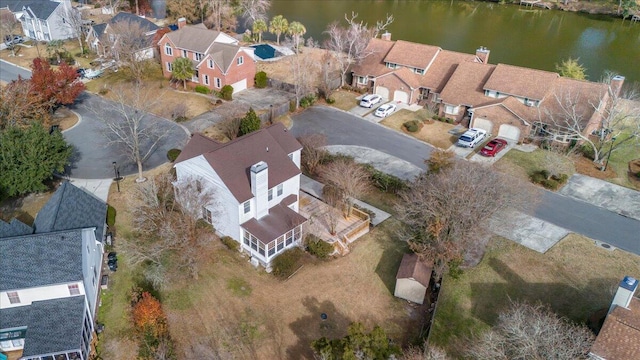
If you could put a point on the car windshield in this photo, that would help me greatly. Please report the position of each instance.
(465, 138)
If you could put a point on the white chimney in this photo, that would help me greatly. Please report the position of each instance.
(616, 84)
(483, 54)
(260, 188)
(386, 36)
(625, 292)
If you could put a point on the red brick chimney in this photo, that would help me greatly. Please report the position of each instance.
(386, 36)
(182, 22)
(483, 54)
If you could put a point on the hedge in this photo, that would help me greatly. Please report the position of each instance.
(111, 215)
(261, 80)
(318, 247)
(202, 89)
(230, 243)
(173, 154)
(285, 264)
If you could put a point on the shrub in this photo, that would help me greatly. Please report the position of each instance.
(318, 247)
(562, 178)
(365, 210)
(285, 264)
(202, 89)
(435, 117)
(261, 80)
(384, 181)
(103, 91)
(227, 92)
(331, 100)
(550, 184)
(111, 215)
(292, 106)
(537, 178)
(545, 173)
(307, 101)
(173, 154)
(230, 243)
(249, 123)
(411, 126)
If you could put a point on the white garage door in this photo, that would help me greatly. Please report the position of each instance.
(483, 124)
(509, 132)
(239, 86)
(382, 91)
(401, 96)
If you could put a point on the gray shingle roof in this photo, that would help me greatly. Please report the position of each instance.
(14, 5)
(14, 317)
(223, 54)
(40, 259)
(54, 326)
(14, 228)
(99, 29)
(145, 24)
(71, 207)
(42, 9)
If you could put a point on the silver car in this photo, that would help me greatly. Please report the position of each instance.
(369, 100)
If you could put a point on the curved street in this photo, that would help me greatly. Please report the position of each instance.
(342, 128)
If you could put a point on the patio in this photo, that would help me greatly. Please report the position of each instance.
(321, 216)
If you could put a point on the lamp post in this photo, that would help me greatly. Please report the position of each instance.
(116, 173)
(613, 140)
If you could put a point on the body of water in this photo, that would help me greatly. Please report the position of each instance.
(515, 35)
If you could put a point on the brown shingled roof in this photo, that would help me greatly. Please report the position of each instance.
(407, 76)
(465, 87)
(412, 268)
(232, 160)
(412, 54)
(279, 220)
(619, 338)
(442, 68)
(520, 81)
(373, 65)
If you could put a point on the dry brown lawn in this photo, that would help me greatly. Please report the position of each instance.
(432, 132)
(274, 319)
(345, 100)
(281, 69)
(25, 54)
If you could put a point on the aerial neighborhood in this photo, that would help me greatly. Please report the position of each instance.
(189, 179)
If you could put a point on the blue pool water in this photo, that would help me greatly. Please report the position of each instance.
(264, 51)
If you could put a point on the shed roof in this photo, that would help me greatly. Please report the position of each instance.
(412, 268)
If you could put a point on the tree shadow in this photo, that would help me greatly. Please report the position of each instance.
(312, 327)
(575, 302)
(393, 250)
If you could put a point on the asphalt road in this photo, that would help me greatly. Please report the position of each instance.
(592, 221)
(93, 156)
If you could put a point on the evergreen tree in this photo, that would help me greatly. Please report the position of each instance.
(28, 157)
(249, 123)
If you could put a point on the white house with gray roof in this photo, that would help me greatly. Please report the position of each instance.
(50, 277)
(42, 20)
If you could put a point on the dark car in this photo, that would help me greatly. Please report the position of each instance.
(493, 147)
(113, 264)
(112, 256)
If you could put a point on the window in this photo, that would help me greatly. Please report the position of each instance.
(196, 76)
(270, 194)
(169, 66)
(207, 215)
(261, 248)
(450, 109)
(392, 66)
(73, 289)
(418, 71)
(184, 53)
(210, 64)
(247, 206)
(240, 60)
(272, 249)
(168, 50)
(13, 297)
(296, 233)
(362, 80)
(218, 82)
(280, 190)
(246, 237)
(289, 237)
(254, 243)
(206, 79)
(197, 56)
(280, 243)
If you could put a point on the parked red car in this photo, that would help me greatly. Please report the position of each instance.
(493, 147)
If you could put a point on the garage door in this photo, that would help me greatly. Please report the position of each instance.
(483, 124)
(239, 86)
(382, 91)
(401, 96)
(509, 132)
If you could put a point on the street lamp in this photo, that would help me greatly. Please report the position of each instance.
(613, 140)
(116, 173)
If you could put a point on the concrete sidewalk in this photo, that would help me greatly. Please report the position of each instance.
(98, 187)
(530, 231)
(615, 198)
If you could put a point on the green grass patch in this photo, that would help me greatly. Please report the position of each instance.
(619, 161)
(344, 100)
(532, 162)
(575, 278)
(180, 299)
(239, 287)
(115, 302)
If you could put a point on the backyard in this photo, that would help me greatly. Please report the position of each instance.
(575, 278)
(433, 132)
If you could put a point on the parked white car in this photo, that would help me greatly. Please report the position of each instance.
(385, 110)
(369, 100)
(471, 138)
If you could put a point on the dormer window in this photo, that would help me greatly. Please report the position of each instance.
(419, 71)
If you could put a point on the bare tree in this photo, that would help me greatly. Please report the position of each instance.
(327, 86)
(527, 331)
(230, 127)
(557, 160)
(333, 197)
(446, 212)
(8, 24)
(618, 118)
(304, 68)
(127, 125)
(350, 178)
(426, 352)
(72, 20)
(222, 15)
(349, 43)
(169, 239)
(127, 42)
(253, 10)
(313, 151)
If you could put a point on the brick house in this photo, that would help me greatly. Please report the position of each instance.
(217, 58)
(508, 101)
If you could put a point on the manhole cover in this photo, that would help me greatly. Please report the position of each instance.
(606, 246)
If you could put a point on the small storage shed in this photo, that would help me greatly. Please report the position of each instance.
(412, 279)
